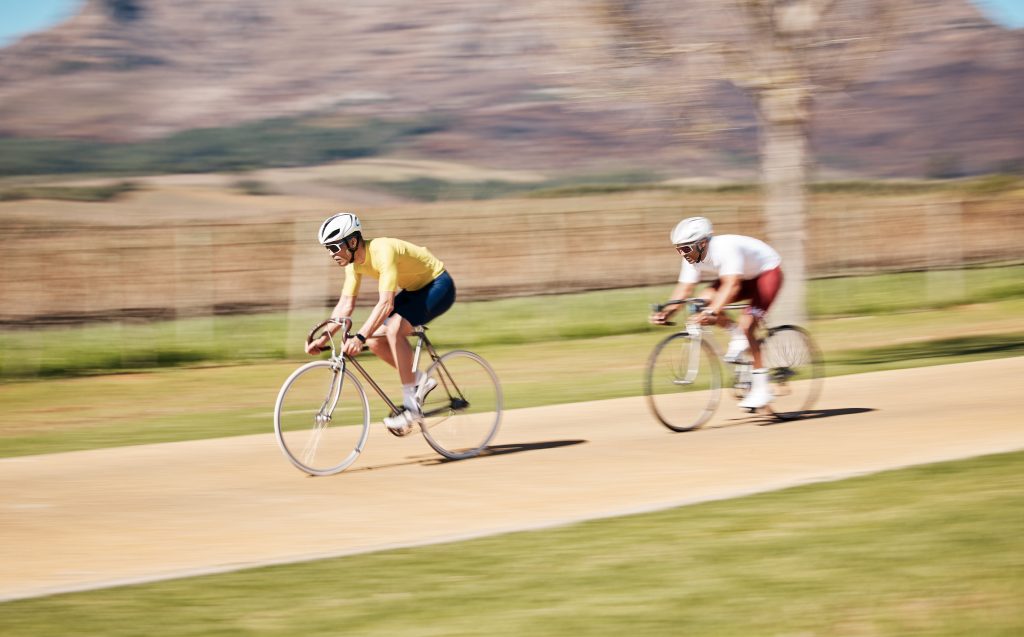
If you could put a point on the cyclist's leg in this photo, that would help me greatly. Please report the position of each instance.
(412, 308)
(399, 355)
(417, 307)
(764, 290)
(378, 344)
(748, 326)
(421, 306)
(739, 335)
(396, 333)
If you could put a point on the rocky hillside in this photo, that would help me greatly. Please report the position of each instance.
(948, 98)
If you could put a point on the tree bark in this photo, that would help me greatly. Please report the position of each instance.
(784, 116)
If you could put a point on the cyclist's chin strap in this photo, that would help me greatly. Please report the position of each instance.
(351, 252)
(703, 252)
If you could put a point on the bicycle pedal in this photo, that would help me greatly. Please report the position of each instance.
(400, 433)
(400, 424)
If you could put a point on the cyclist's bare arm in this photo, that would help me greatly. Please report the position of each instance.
(379, 312)
(385, 305)
(681, 291)
(728, 288)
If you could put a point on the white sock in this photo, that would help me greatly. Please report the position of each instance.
(737, 331)
(759, 380)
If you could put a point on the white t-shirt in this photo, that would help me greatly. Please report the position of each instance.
(732, 254)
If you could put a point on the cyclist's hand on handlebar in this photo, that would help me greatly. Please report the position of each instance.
(705, 318)
(659, 318)
(316, 346)
(352, 346)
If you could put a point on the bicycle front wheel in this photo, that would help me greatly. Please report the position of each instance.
(462, 412)
(796, 370)
(683, 382)
(322, 418)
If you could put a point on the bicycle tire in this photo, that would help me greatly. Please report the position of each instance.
(681, 397)
(462, 413)
(321, 418)
(796, 371)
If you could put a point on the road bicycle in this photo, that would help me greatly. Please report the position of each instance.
(322, 413)
(683, 381)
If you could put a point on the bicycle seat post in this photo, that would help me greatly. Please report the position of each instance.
(420, 337)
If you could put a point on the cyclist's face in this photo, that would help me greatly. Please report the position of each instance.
(690, 250)
(340, 252)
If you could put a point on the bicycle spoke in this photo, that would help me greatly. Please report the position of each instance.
(319, 424)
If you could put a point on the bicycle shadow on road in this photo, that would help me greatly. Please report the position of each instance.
(493, 450)
(501, 450)
(767, 420)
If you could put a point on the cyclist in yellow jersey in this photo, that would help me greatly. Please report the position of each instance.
(413, 289)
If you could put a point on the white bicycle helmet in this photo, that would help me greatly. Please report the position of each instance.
(339, 227)
(691, 231)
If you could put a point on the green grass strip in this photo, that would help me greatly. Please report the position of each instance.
(932, 550)
(113, 346)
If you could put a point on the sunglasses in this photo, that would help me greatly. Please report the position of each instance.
(686, 248)
(335, 248)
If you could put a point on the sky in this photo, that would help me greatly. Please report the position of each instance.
(21, 17)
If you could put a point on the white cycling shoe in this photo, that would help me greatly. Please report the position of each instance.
(760, 393)
(401, 424)
(425, 388)
(737, 346)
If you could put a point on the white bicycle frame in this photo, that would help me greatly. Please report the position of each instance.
(697, 336)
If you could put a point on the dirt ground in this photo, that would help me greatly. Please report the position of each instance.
(93, 519)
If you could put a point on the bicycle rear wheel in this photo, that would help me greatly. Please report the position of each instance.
(461, 414)
(683, 382)
(796, 370)
(321, 418)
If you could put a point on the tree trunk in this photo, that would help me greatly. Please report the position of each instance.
(783, 119)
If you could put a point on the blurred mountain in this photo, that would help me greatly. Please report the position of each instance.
(947, 99)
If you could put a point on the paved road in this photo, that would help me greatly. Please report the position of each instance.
(91, 519)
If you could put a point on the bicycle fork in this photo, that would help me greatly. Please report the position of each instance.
(693, 356)
(741, 368)
(322, 418)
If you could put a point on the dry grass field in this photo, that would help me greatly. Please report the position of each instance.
(190, 245)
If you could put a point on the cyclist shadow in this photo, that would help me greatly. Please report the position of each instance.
(494, 450)
(767, 420)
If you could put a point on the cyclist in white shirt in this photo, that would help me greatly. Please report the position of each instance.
(745, 268)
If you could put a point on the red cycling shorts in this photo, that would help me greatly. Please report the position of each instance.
(761, 291)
